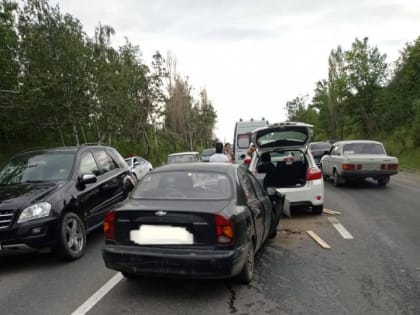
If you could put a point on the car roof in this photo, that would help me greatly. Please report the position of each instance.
(182, 153)
(215, 167)
(60, 149)
(357, 141)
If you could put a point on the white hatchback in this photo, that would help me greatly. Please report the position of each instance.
(282, 161)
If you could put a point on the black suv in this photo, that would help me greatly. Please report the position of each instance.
(50, 199)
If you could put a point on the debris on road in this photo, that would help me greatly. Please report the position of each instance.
(332, 212)
(319, 240)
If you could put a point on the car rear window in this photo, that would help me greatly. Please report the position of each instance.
(363, 148)
(184, 158)
(320, 146)
(209, 152)
(184, 185)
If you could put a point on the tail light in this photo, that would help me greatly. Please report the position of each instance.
(393, 167)
(109, 225)
(313, 173)
(224, 229)
(349, 167)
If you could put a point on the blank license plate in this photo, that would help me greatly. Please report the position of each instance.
(161, 235)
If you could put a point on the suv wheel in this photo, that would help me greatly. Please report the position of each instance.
(71, 237)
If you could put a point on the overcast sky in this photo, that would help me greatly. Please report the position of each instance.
(251, 56)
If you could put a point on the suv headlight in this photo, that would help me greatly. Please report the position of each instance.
(36, 211)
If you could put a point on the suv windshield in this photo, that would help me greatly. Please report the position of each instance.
(37, 167)
(184, 185)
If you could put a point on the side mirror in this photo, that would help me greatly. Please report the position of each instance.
(136, 163)
(84, 179)
(242, 156)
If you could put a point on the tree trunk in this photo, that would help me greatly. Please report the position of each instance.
(76, 135)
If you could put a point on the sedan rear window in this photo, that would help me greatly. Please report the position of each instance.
(184, 185)
(363, 148)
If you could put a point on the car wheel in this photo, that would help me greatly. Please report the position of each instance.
(71, 237)
(383, 181)
(274, 223)
(337, 179)
(317, 209)
(248, 269)
(130, 276)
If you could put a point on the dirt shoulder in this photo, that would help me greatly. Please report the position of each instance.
(409, 176)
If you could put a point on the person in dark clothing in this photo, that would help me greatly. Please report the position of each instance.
(266, 164)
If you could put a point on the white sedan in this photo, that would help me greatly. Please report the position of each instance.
(357, 160)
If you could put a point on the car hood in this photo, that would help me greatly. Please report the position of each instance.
(20, 195)
(285, 135)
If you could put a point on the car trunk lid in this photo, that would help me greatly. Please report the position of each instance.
(171, 223)
(290, 135)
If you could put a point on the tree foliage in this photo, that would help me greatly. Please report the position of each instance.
(58, 86)
(361, 98)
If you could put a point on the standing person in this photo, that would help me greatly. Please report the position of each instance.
(227, 151)
(219, 156)
(250, 153)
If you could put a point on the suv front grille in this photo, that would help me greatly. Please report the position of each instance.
(6, 217)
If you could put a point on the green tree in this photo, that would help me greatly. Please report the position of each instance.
(367, 73)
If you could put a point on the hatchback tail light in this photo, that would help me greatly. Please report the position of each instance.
(109, 225)
(224, 229)
(313, 173)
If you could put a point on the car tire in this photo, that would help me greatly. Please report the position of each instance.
(324, 176)
(317, 209)
(383, 181)
(337, 179)
(248, 269)
(273, 229)
(130, 276)
(71, 237)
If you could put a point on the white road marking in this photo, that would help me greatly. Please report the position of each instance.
(340, 228)
(98, 295)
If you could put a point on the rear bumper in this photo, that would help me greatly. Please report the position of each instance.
(188, 263)
(366, 174)
(311, 194)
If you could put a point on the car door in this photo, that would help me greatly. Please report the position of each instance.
(255, 205)
(110, 183)
(266, 205)
(327, 162)
(334, 159)
(89, 195)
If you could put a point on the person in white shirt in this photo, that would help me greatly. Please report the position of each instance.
(227, 151)
(219, 156)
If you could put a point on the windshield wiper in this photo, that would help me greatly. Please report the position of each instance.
(33, 181)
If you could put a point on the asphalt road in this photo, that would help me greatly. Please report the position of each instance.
(377, 271)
